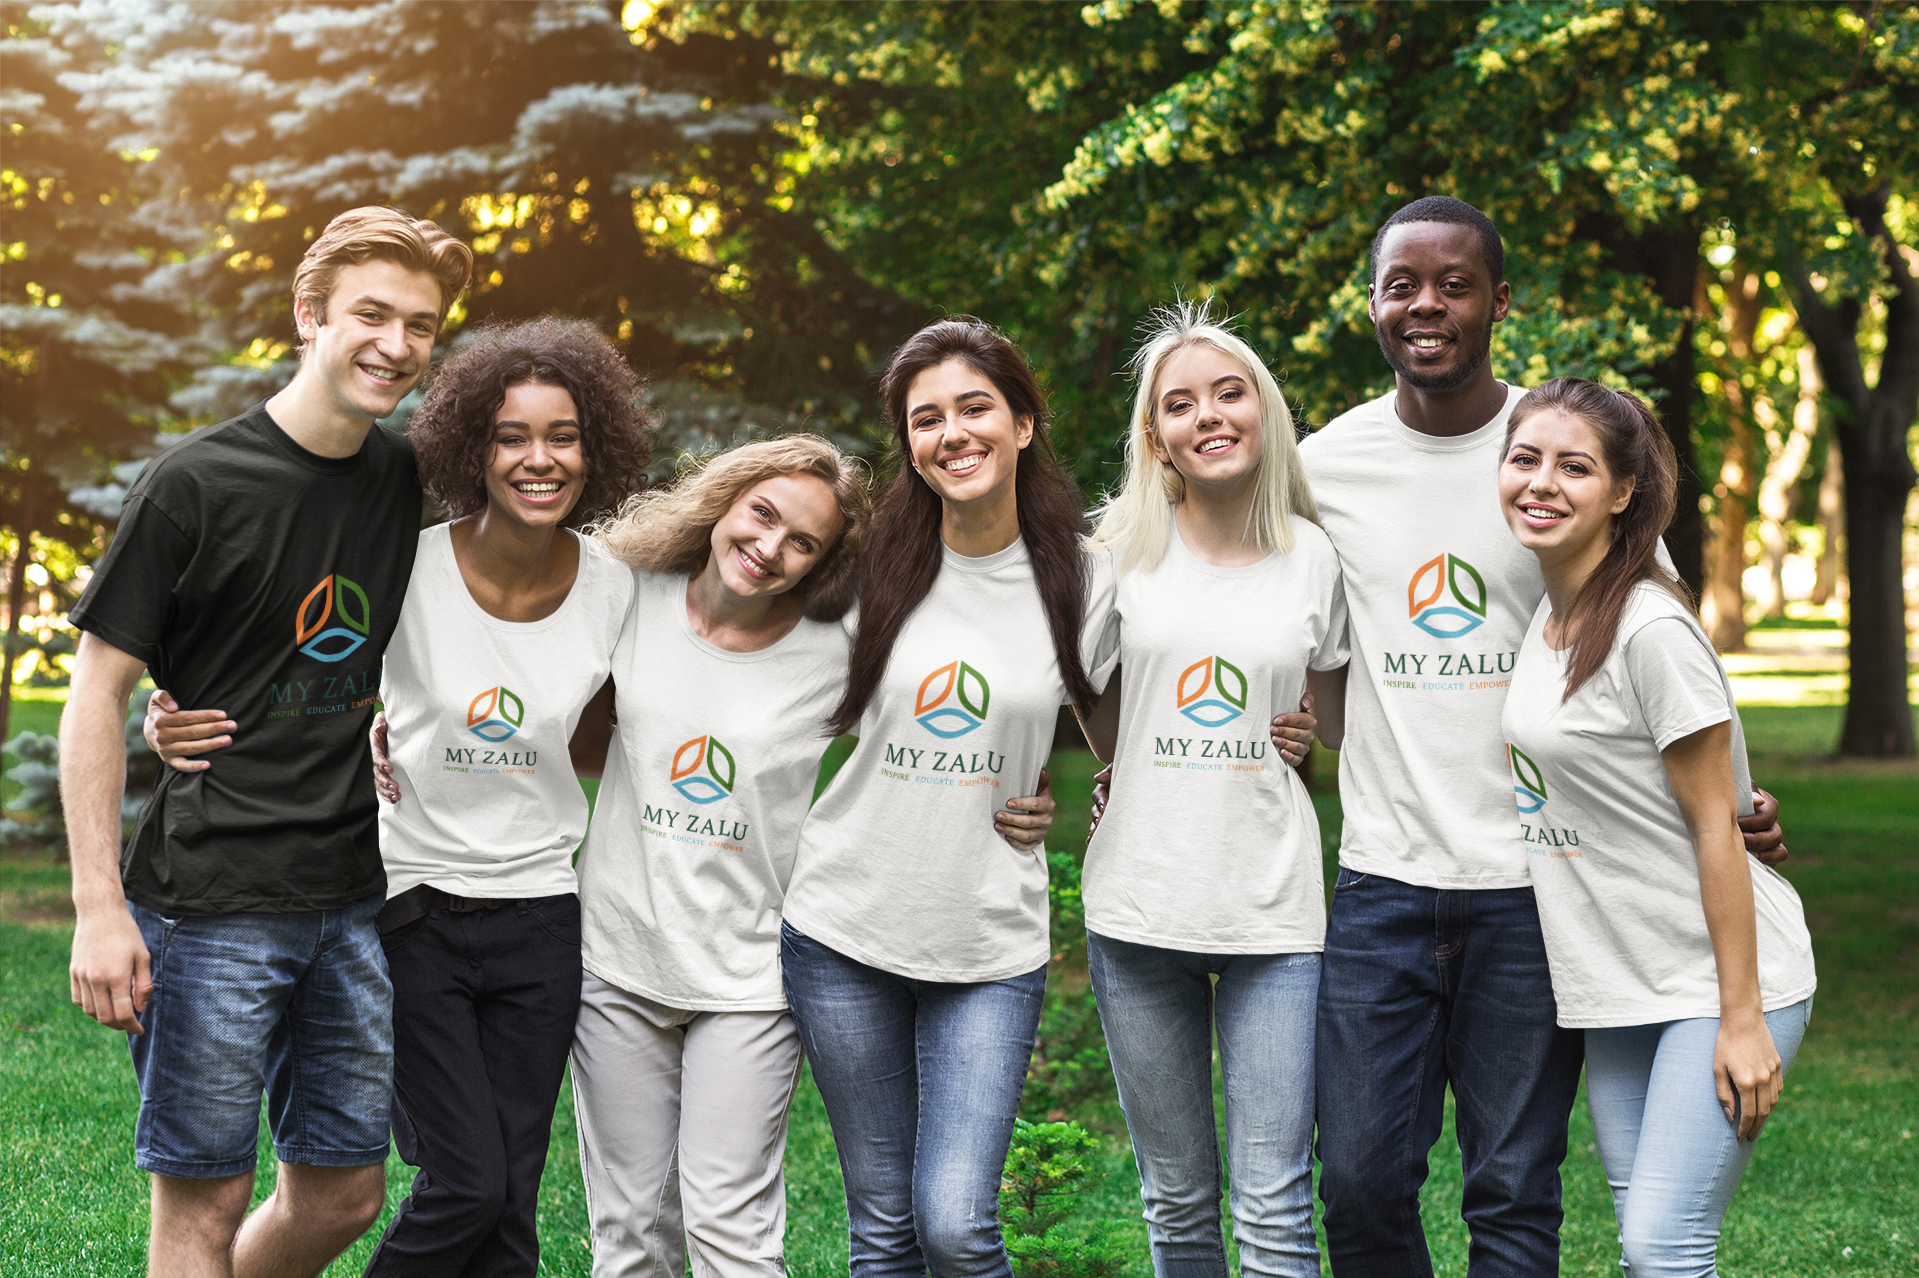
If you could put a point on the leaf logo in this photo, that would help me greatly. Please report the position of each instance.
(495, 715)
(332, 597)
(710, 785)
(956, 705)
(1528, 785)
(1438, 577)
(1227, 683)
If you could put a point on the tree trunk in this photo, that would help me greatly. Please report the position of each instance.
(1873, 436)
(1782, 478)
(1669, 257)
(1829, 582)
(1722, 602)
(16, 599)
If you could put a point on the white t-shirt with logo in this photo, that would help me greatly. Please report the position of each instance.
(1439, 592)
(899, 864)
(1209, 843)
(1611, 862)
(479, 712)
(708, 777)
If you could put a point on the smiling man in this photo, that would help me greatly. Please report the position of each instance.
(260, 565)
(1434, 972)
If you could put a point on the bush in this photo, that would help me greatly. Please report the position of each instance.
(1046, 1172)
(35, 821)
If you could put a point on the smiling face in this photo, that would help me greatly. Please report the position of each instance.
(1434, 303)
(536, 470)
(1558, 497)
(962, 437)
(774, 533)
(1207, 417)
(381, 319)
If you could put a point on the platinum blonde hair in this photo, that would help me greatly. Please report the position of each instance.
(1136, 521)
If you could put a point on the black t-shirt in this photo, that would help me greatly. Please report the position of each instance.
(258, 578)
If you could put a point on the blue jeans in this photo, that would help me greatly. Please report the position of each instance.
(1159, 1009)
(921, 1081)
(1671, 1156)
(1423, 987)
(297, 1006)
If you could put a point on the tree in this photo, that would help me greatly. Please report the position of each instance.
(631, 187)
(93, 332)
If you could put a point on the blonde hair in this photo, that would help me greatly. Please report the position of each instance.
(377, 233)
(671, 529)
(1136, 521)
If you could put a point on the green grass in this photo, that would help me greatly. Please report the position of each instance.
(1838, 1167)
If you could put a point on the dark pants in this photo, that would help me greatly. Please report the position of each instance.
(484, 1005)
(1421, 988)
(921, 1081)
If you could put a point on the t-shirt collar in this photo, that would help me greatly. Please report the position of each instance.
(1496, 428)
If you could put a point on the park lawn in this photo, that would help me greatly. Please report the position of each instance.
(1834, 1190)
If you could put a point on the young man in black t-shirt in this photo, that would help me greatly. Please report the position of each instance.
(260, 565)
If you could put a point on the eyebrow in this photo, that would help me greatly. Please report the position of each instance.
(557, 421)
(960, 398)
(1181, 390)
(367, 299)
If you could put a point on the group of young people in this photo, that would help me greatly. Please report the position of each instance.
(1458, 585)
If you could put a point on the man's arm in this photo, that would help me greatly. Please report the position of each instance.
(1327, 688)
(110, 974)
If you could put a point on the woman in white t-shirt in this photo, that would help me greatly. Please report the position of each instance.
(1204, 886)
(1685, 960)
(915, 939)
(506, 633)
(731, 658)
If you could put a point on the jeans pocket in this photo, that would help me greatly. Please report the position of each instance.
(559, 916)
(395, 940)
(1348, 879)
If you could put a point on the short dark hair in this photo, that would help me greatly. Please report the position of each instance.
(1444, 208)
(452, 433)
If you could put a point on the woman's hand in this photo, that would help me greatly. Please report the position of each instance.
(1293, 733)
(1746, 1068)
(176, 735)
(1024, 822)
(382, 766)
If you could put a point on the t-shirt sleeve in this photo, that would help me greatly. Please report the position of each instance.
(1335, 647)
(130, 599)
(1676, 680)
(1099, 637)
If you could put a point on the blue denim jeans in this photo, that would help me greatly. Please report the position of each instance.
(1160, 1009)
(297, 1006)
(1671, 1156)
(921, 1081)
(1421, 988)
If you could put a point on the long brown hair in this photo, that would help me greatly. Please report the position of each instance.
(903, 548)
(1633, 446)
(671, 529)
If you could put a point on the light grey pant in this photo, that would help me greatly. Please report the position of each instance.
(682, 1119)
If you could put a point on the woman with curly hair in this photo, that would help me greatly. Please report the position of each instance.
(507, 633)
(732, 658)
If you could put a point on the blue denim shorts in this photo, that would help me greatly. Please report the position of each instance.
(295, 1006)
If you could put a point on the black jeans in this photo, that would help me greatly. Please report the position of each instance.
(484, 1004)
(1420, 988)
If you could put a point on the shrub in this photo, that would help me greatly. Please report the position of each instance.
(1046, 1172)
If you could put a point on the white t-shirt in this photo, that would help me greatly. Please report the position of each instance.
(899, 864)
(1210, 843)
(708, 777)
(479, 712)
(1612, 864)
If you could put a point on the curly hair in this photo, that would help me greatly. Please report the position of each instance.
(452, 432)
(671, 529)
